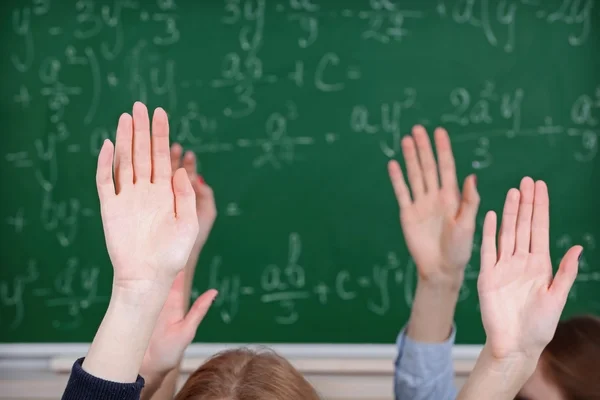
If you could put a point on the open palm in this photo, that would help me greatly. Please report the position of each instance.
(149, 216)
(438, 223)
(175, 328)
(520, 301)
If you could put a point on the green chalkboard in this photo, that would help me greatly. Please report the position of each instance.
(294, 108)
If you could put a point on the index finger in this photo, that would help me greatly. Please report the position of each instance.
(446, 162)
(399, 185)
(540, 223)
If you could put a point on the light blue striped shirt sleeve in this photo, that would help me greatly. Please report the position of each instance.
(424, 371)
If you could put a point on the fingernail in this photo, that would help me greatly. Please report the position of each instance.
(200, 179)
(580, 254)
(475, 179)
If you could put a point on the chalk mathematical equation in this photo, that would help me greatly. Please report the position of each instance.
(476, 113)
(72, 61)
(73, 290)
(281, 287)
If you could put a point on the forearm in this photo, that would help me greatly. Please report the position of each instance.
(161, 387)
(432, 313)
(495, 379)
(118, 348)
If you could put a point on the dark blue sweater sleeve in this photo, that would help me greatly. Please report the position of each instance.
(83, 386)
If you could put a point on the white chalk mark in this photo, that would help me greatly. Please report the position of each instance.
(363, 281)
(18, 221)
(112, 79)
(354, 73)
(96, 84)
(399, 276)
(322, 291)
(283, 296)
(23, 97)
(247, 290)
(233, 210)
(331, 137)
(19, 160)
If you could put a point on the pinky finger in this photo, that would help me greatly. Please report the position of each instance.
(488, 244)
(104, 173)
(399, 184)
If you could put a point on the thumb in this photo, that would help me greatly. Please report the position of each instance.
(469, 203)
(567, 272)
(185, 200)
(197, 313)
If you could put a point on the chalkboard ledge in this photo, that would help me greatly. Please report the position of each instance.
(308, 358)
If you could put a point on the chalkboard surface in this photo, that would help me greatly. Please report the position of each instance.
(294, 108)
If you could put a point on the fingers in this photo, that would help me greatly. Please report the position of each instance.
(189, 164)
(413, 167)
(566, 274)
(488, 242)
(197, 313)
(142, 165)
(399, 185)
(469, 204)
(123, 157)
(185, 199)
(446, 161)
(176, 152)
(540, 223)
(104, 174)
(161, 157)
(509, 223)
(523, 233)
(205, 200)
(426, 158)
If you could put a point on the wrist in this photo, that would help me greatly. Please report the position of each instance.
(497, 378)
(432, 312)
(152, 377)
(512, 368)
(138, 292)
(442, 283)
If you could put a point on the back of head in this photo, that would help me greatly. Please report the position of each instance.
(572, 359)
(245, 374)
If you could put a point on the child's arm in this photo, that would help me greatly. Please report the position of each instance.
(438, 223)
(150, 225)
(521, 302)
(160, 368)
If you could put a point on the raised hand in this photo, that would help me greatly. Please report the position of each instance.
(174, 331)
(438, 222)
(150, 225)
(148, 214)
(206, 210)
(521, 301)
(176, 326)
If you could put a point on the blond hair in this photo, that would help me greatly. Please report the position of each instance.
(245, 374)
